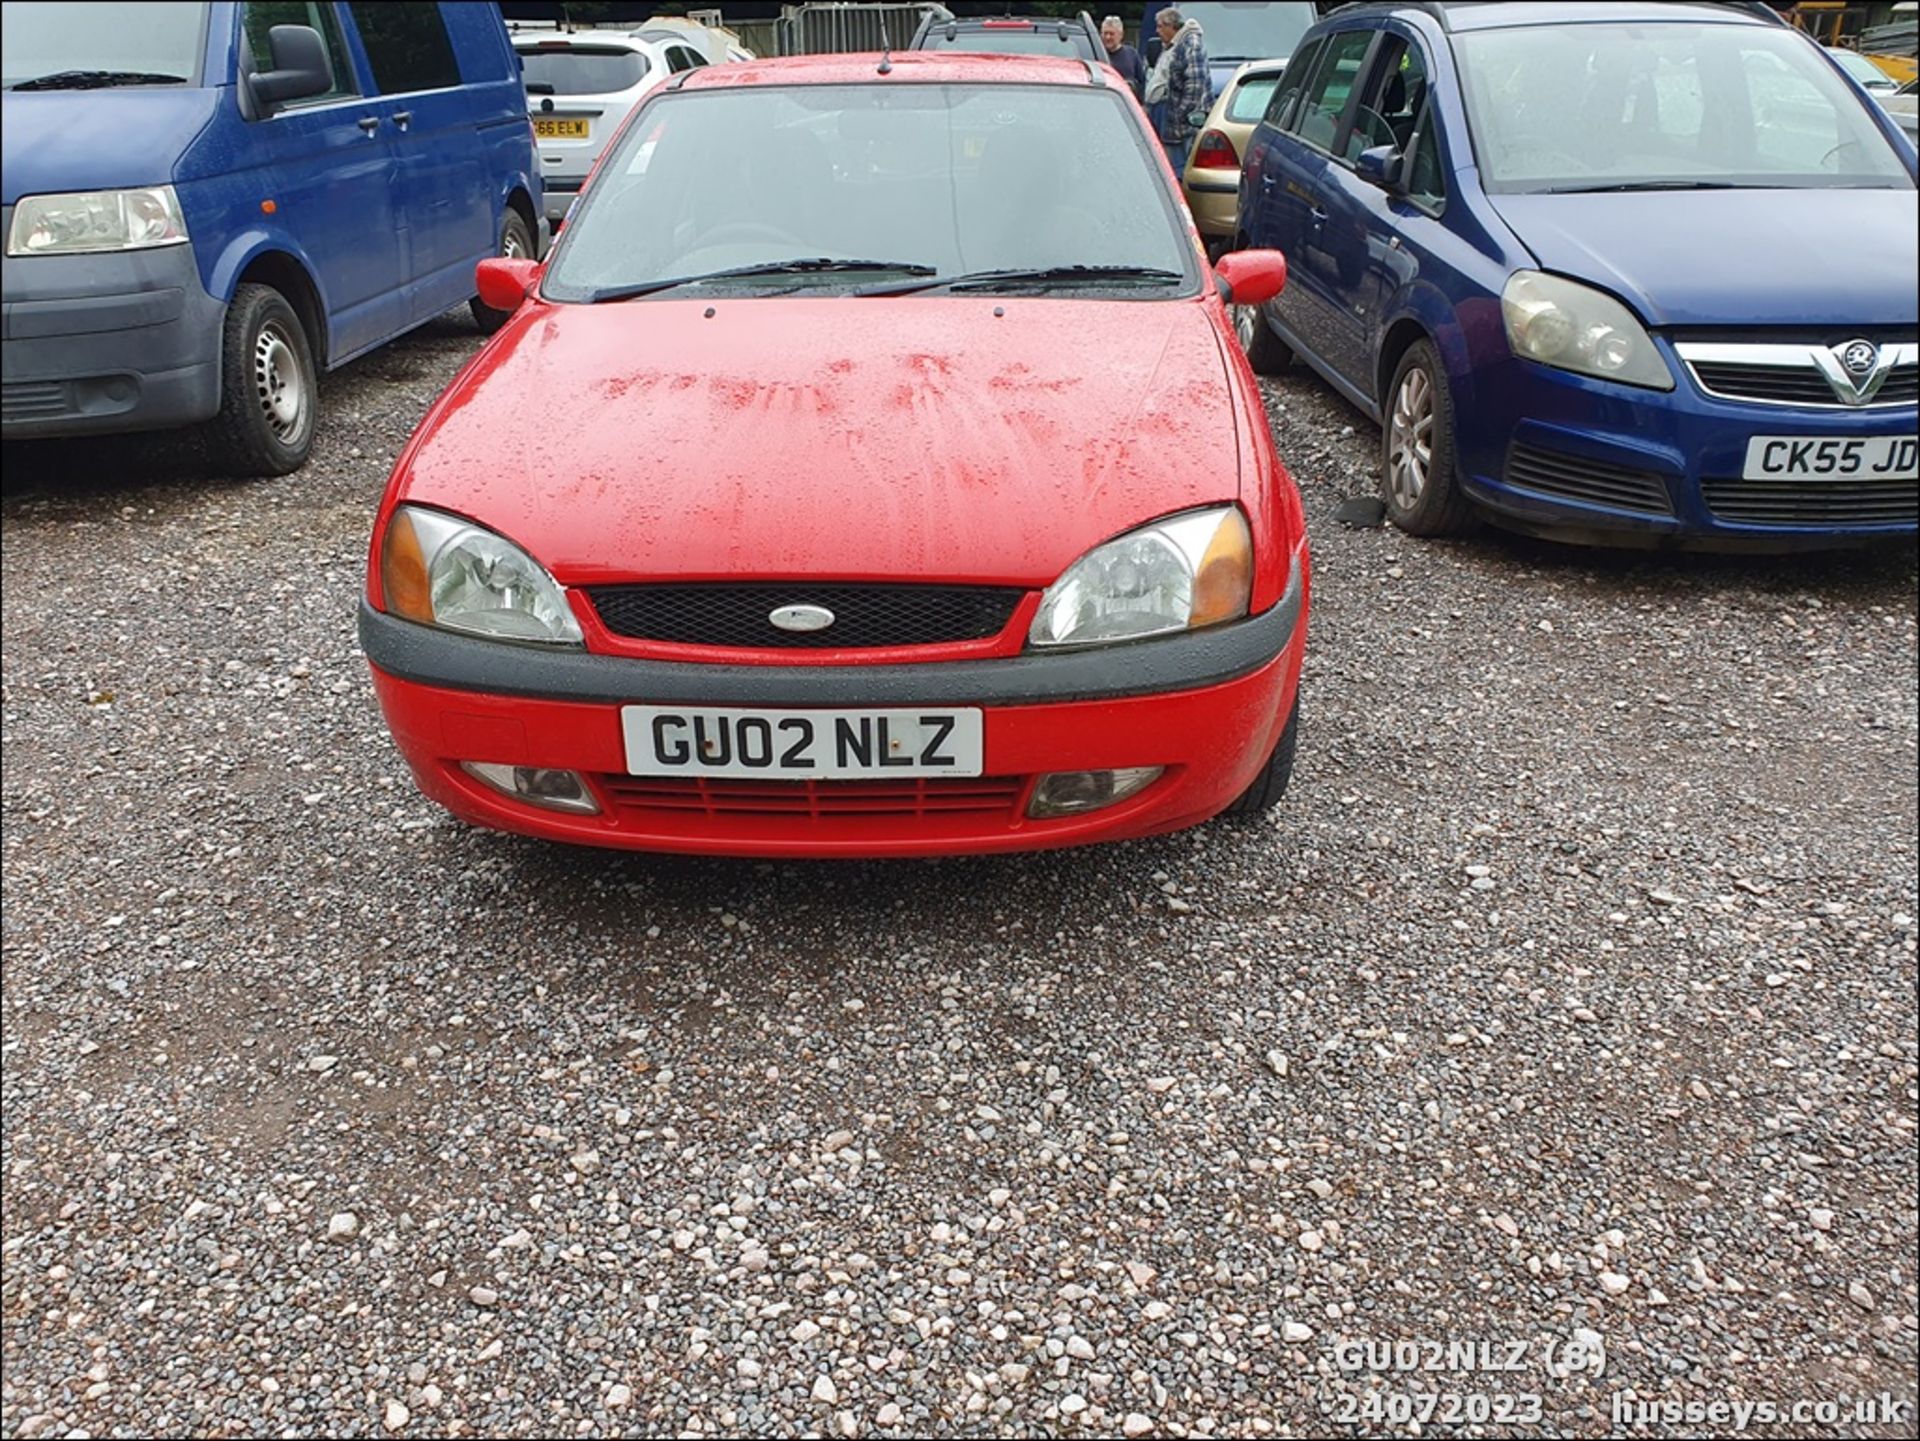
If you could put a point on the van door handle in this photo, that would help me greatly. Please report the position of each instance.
(403, 118)
(369, 123)
(1266, 181)
(1318, 216)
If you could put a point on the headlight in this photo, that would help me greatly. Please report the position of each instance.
(1574, 327)
(1180, 574)
(96, 220)
(443, 571)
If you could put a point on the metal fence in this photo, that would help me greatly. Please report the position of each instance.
(831, 27)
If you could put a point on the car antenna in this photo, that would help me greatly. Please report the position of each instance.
(886, 47)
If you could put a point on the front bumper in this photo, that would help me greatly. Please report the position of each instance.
(1208, 707)
(112, 342)
(1553, 453)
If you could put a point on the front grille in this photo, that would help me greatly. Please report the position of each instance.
(33, 399)
(1799, 385)
(1575, 478)
(1821, 502)
(813, 800)
(864, 616)
(1791, 372)
(1785, 385)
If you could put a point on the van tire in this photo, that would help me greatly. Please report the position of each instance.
(1271, 784)
(1440, 506)
(516, 243)
(269, 387)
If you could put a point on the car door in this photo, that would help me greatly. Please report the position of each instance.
(1403, 227)
(1260, 171)
(1358, 255)
(1300, 193)
(446, 207)
(329, 172)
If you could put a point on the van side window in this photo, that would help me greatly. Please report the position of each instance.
(1425, 180)
(407, 45)
(1396, 88)
(1278, 112)
(1326, 98)
(257, 20)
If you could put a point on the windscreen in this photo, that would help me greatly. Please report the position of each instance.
(153, 39)
(949, 179)
(1251, 32)
(581, 72)
(1595, 107)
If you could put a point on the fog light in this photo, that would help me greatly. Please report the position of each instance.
(1072, 793)
(537, 786)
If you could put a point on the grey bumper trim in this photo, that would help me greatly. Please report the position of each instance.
(427, 656)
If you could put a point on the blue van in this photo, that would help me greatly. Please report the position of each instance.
(208, 203)
(1639, 272)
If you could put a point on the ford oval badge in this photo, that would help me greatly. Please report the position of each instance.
(800, 618)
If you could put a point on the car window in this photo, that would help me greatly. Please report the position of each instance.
(1251, 98)
(1326, 98)
(1280, 108)
(678, 59)
(574, 70)
(957, 178)
(407, 46)
(1424, 176)
(257, 21)
(1396, 88)
(1602, 106)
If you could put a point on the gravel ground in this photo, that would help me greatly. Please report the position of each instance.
(1571, 993)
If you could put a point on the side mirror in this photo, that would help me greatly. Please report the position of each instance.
(1379, 166)
(503, 283)
(1250, 277)
(300, 66)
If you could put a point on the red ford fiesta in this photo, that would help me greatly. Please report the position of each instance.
(871, 469)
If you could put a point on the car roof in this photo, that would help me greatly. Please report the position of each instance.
(926, 67)
(1513, 14)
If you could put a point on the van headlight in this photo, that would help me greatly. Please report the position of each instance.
(1575, 327)
(440, 570)
(94, 220)
(1188, 571)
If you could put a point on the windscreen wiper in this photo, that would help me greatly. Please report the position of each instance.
(817, 265)
(96, 80)
(1043, 276)
(1624, 185)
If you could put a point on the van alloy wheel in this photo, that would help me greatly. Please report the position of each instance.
(1410, 432)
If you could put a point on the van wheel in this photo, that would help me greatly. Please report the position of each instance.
(269, 392)
(1420, 482)
(516, 243)
(1271, 784)
(1266, 352)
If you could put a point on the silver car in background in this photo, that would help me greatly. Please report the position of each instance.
(580, 86)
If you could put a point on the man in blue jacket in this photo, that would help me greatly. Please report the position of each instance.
(1122, 56)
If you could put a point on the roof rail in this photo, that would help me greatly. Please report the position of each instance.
(1438, 9)
(1430, 7)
